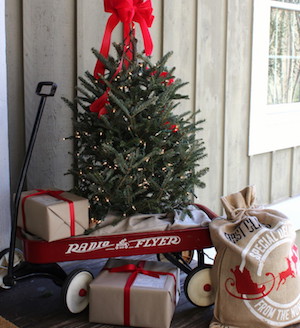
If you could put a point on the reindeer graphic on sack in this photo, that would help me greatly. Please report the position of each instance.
(256, 270)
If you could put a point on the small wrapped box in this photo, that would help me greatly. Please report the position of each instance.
(135, 293)
(53, 214)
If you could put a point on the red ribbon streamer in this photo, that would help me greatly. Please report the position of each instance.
(99, 104)
(55, 194)
(126, 11)
(135, 270)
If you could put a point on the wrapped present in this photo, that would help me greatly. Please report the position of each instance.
(135, 293)
(53, 214)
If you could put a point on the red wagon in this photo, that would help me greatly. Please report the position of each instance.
(41, 257)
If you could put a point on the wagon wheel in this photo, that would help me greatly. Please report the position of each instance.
(4, 260)
(75, 290)
(183, 256)
(198, 287)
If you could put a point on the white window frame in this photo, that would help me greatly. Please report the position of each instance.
(5, 216)
(272, 127)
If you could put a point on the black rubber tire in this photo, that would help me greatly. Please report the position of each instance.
(4, 258)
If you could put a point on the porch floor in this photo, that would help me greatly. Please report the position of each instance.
(37, 303)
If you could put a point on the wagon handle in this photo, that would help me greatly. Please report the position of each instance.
(44, 90)
(45, 85)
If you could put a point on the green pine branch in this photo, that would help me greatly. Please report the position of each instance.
(140, 157)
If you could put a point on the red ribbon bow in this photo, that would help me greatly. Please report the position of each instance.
(135, 270)
(98, 106)
(56, 194)
(126, 11)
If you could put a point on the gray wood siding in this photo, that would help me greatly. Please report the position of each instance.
(49, 53)
(211, 41)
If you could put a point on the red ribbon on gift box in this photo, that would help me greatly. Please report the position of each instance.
(128, 12)
(135, 270)
(56, 194)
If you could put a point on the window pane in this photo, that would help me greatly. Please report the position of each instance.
(284, 57)
(289, 1)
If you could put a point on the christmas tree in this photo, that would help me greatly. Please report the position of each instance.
(133, 153)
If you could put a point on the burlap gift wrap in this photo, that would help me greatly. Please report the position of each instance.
(148, 302)
(53, 214)
(256, 270)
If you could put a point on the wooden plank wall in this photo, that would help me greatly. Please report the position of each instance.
(211, 41)
(49, 53)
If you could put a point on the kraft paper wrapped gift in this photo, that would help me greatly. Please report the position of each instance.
(53, 214)
(152, 299)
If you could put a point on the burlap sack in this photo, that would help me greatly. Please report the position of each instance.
(256, 270)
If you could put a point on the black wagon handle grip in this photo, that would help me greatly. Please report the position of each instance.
(46, 89)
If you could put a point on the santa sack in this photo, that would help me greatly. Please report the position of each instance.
(256, 272)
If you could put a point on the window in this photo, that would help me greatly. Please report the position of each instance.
(275, 81)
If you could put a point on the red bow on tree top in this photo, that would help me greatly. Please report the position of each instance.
(128, 12)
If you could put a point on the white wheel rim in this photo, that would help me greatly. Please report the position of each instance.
(18, 258)
(77, 298)
(199, 288)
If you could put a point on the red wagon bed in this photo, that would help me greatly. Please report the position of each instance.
(85, 247)
(40, 258)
